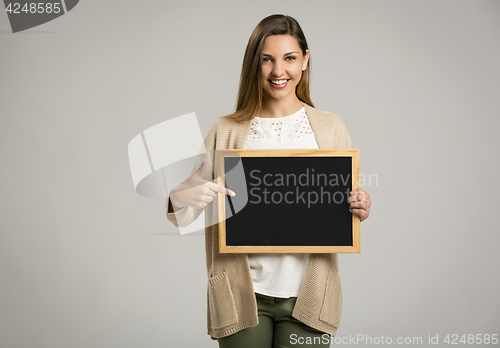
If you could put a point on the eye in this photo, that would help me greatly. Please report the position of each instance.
(291, 58)
(265, 59)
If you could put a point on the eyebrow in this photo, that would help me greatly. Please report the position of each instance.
(286, 54)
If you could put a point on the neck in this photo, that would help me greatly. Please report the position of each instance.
(274, 108)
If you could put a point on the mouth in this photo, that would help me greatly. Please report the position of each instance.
(279, 83)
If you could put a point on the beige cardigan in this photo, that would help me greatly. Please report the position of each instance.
(231, 302)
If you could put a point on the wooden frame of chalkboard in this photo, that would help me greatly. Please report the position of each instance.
(273, 222)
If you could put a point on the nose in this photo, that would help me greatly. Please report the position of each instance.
(278, 69)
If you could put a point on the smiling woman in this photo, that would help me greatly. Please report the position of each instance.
(263, 300)
(276, 51)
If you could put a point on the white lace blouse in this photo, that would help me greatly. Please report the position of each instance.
(280, 275)
(282, 130)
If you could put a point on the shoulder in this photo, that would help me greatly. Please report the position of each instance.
(224, 122)
(225, 131)
(224, 125)
(217, 125)
(325, 118)
(327, 125)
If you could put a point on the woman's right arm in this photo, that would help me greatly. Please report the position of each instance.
(187, 200)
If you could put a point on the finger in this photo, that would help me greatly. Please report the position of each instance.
(211, 193)
(360, 205)
(201, 205)
(356, 198)
(363, 206)
(360, 212)
(365, 194)
(359, 190)
(208, 199)
(369, 202)
(218, 188)
(355, 211)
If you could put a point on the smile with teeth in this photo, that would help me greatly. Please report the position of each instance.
(279, 83)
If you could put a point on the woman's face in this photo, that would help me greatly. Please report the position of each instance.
(282, 66)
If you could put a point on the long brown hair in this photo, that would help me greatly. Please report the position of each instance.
(250, 93)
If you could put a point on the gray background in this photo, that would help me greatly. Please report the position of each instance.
(86, 262)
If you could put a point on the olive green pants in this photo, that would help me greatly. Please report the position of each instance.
(277, 328)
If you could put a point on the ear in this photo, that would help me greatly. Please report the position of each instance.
(306, 59)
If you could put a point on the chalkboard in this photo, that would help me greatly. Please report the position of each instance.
(288, 201)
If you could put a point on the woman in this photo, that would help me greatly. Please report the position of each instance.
(266, 300)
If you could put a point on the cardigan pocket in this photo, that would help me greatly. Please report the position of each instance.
(332, 301)
(221, 302)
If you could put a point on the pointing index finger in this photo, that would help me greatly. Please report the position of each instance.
(218, 188)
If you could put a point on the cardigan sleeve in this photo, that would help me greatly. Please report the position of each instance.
(186, 215)
(348, 140)
(342, 132)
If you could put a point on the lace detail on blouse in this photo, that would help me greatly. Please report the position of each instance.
(282, 129)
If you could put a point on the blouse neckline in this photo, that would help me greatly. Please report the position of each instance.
(300, 112)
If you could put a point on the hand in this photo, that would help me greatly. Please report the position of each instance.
(196, 192)
(360, 203)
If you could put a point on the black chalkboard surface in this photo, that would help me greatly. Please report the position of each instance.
(288, 201)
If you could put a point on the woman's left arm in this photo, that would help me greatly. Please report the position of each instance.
(359, 199)
(360, 203)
